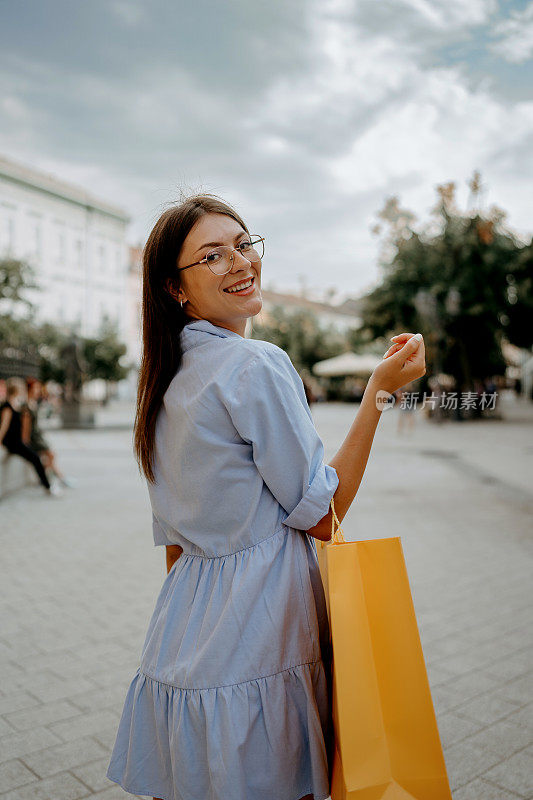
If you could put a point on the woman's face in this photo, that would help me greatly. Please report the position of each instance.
(204, 291)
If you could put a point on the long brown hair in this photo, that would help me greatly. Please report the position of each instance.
(163, 318)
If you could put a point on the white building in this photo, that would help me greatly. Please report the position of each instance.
(337, 318)
(134, 295)
(77, 245)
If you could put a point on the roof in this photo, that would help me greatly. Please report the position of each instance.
(49, 184)
(346, 308)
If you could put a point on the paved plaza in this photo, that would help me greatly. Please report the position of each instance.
(80, 576)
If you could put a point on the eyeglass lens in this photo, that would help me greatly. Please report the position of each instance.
(219, 259)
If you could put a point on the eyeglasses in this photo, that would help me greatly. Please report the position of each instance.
(220, 260)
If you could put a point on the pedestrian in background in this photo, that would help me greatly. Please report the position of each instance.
(11, 412)
(36, 441)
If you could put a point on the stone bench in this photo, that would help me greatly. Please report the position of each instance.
(15, 473)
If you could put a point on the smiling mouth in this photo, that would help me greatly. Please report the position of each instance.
(249, 284)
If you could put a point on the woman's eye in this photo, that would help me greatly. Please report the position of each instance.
(213, 256)
(244, 245)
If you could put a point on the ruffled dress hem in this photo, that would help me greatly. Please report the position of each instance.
(146, 793)
(239, 740)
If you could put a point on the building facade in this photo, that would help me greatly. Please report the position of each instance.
(77, 246)
(337, 318)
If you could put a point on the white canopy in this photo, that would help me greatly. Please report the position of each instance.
(347, 364)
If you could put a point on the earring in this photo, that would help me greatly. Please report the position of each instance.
(181, 303)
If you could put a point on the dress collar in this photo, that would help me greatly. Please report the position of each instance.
(194, 331)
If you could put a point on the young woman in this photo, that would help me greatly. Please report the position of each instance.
(11, 422)
(232, 696)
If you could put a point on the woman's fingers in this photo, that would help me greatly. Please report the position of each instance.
(393, 349)
(398, 342)
(401, 337)
(405, 363)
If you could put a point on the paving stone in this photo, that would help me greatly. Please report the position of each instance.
(111, 698)
(41, 714)
(465, 762)
(116, 677)
(76, 617)
(67, 756)
(58, 689)
(486, 708)
(115, 792)
(466, 687)
(522, 717)
(62, 663)
(107, 736)
(82, 725)
(483, 790)
(93, 775)
(5, 728)
(509, 667)
(19, 745)
(443, 697)
(515, 774)
(453, 728)
(520, 689)
(502, 738)
(438, 675)
(61, 787)
(15, 701)
(14, 773)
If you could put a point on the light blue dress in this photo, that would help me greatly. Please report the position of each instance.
(232, 697)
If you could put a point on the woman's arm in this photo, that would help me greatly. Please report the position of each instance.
(402, 366)
(5, 421)
(174, 551)
(351, 459)
(25, 432)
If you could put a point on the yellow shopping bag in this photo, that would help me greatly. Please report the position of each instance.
(387, 743)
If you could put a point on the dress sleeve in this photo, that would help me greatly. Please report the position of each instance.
(270, 411)
(160, 536)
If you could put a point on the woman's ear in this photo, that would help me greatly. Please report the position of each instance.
(171, 289)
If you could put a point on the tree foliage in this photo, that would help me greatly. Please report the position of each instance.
(464, 281)
(103, 355)
(299, 334)
(22, 340)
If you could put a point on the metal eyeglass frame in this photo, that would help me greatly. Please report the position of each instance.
(232, 257)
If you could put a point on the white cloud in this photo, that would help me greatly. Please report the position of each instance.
(442, 129)
(308, 153)
(129, 12)
(445, 14)
(516, 36)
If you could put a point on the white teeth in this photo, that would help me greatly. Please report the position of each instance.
(240, 286)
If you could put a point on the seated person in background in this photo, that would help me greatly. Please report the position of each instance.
(32, 435)
(11, 412)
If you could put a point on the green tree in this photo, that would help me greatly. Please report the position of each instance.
(18, 338)
(299, 334)
(103, 355)
(464, 281)
(38, 345)
(15, 278)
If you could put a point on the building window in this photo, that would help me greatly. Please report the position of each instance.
(79, 252)
(7, 232)
(60, 247)
(35, 240)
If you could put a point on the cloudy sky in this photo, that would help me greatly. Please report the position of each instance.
(305, 114)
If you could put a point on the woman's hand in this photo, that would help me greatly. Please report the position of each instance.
(403, 362)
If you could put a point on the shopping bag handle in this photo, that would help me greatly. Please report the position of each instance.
(337, 536)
